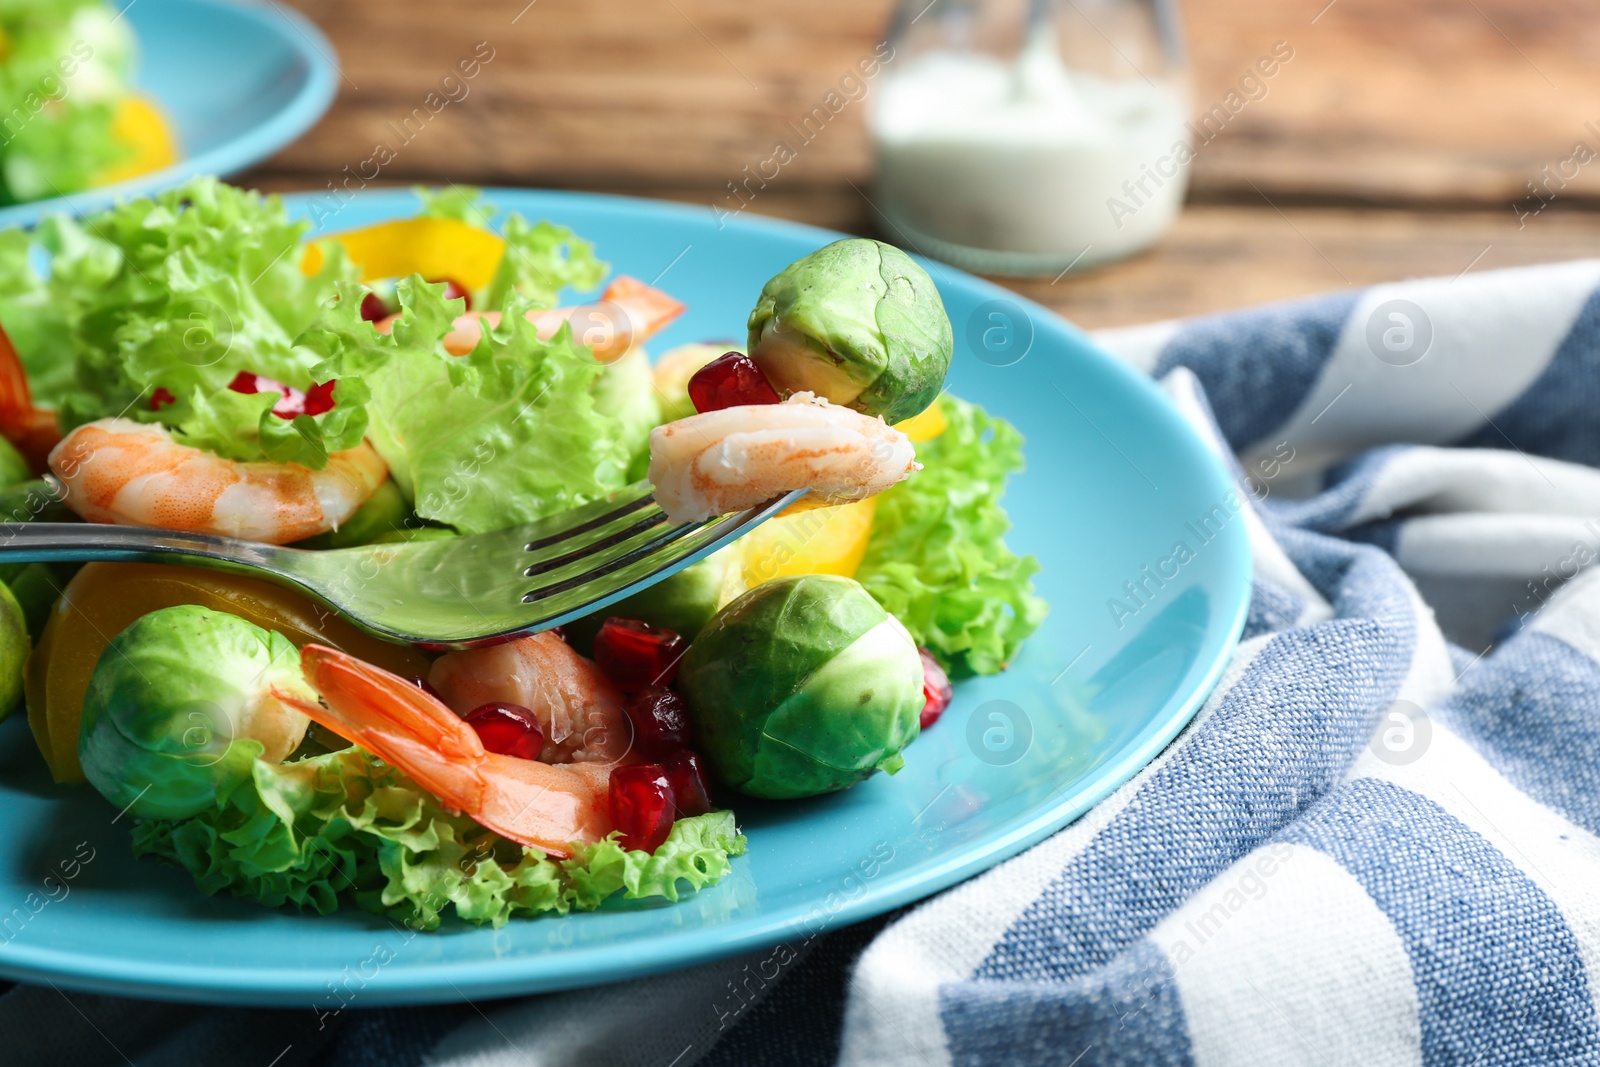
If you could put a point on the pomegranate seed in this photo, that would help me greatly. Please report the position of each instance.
(936, 689)
(250, 383)
(373, 309)
(728, 381)
(319, 398)
(660, 720)
(635, 654)
(641, 805)
(161, 398)
(688, 778)
(509, 729)
(454, 290)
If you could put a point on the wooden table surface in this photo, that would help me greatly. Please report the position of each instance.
(1403, 138)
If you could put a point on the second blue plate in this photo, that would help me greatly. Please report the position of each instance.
(239, 81)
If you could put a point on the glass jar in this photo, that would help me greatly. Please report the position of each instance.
(1028, 137)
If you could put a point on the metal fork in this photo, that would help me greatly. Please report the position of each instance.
(461, 592)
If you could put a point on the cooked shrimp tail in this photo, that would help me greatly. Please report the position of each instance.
(627, 314)
(536, 804)
(134, 474)
(738, 457)
(32, 430)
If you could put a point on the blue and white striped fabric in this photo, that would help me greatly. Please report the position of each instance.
(1373, 845)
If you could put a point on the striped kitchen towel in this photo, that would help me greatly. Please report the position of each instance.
(1377, 842)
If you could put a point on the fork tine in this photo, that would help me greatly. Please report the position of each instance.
(624, 568)
(621, 503)
(621, 557)
(653, 518)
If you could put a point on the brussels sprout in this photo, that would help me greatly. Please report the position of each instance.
(14, 648)
(675, 368)
(857, 322)
(801, 686)
(180, 706)
(683, 603)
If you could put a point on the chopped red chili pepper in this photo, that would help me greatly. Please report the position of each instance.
(161, 398)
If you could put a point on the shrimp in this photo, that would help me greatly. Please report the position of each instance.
(721, 461)
(627, 313)
(578, 708)
(532, 803)
(134, 474)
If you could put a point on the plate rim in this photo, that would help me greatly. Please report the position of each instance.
(577, 967)
(285, 126)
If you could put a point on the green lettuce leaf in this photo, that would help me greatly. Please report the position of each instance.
(506, 434)
(937, 560)
(180, 291)
(346, 827)
(464, 203)
(541, 258)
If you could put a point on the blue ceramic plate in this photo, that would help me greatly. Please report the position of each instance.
(1115, 478)
(238, 80)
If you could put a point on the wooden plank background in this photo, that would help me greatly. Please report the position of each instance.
(1400, 139)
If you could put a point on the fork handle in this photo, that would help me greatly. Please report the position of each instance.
(35, 541)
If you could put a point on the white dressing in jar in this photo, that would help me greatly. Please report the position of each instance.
(1024, 165)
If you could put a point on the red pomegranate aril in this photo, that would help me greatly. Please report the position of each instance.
(641, 805)
(161, 398)
(319, 399)
(688, 778)
(660, 720)
(373, 309)
(454, 290)
(509, 729)
(293, 401)
(936, 689)
(635, 654)
(728, 381)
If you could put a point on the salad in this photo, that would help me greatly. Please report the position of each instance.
(70, 119)
(193, 361)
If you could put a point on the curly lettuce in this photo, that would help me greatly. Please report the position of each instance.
(344, 826)
(506, 434)
(179, 293)
(937, 558)
(541, 258)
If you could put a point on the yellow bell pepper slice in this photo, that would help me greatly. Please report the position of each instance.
(801, 540)
(139, 124)
(433, 248)
(103, 599)
(925, 425)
